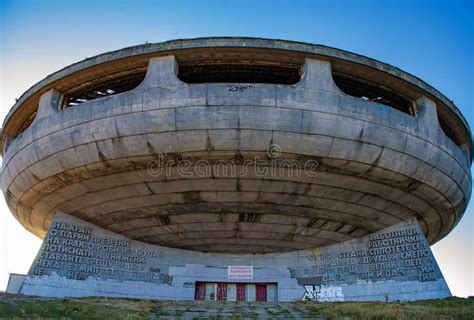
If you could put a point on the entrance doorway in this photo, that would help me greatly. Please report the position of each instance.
(261, 290)
(226, 291)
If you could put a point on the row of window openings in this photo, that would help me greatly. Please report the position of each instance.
(242, 74)
(348, 86)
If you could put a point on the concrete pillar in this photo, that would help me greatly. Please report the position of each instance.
(48, 104)
(427, 110)
(428, 117)
(161, 73)
(428, 122)
(318, 76)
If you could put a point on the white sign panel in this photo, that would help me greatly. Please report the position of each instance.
(240, 272)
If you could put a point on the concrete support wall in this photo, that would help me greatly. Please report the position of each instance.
(48, 104)
(79, 259)
(318, 75)
(161, 73)
(15, 282)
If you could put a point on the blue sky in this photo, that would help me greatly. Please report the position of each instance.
(431, 39)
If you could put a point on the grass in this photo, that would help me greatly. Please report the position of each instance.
(90, 308)
(449, 308)
(18, 306)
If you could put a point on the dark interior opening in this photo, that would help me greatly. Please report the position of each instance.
(448, 131)
(26, 123)
(103, 88)
(239, 73)
(369, 91)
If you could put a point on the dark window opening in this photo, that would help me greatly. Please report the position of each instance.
(240, 73)
(448, 131)
(248, 217)
(368, 91)
(103, 88)
(26, 123)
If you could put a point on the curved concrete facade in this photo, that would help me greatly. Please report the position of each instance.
(117, 162)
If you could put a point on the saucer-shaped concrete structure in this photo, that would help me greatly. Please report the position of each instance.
(236, 146)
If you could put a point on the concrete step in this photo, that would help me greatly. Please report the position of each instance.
(240, 310)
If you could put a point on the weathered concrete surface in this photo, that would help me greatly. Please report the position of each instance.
(117, 162)
(136, 57)
(79, 259)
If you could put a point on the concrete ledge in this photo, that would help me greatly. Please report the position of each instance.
(144, 51)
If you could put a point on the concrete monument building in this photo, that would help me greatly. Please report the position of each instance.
(235, 169)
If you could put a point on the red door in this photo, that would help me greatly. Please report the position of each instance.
(222, 291)
(200, 291)
(241, 291)
(261, 294)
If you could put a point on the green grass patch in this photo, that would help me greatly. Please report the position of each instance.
(449, 308)
(18, 306)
